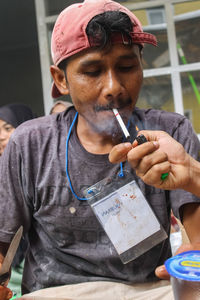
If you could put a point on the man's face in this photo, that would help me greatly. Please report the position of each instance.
(99, 80)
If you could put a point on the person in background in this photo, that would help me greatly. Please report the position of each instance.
(11, 116)
(1, 150)
(97, 51)
(60, 106)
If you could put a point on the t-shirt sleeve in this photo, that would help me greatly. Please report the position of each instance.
(185, 135)
(15, 208)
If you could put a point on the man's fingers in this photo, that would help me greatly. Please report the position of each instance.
(119, 153)
(5, 293)
(155, 162)
(154, 135)
(144, 157)
(162, 273)
(10, 294)
(136, 154)
(153, 175)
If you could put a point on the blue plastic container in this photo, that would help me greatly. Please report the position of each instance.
(184, 270)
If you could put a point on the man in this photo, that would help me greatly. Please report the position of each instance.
(96, 50)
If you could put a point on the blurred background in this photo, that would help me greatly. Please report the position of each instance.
(171, 71)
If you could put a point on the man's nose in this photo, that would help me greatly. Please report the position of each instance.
(112, 88)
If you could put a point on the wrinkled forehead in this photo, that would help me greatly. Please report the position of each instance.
(110, 52)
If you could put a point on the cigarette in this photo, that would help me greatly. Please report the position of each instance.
(121, 123)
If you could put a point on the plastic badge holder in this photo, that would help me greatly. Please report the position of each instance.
(184, 270)
(125, 215)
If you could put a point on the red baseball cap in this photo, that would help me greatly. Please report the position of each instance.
(69, 33)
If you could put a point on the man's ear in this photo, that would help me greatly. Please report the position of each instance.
(59, 80)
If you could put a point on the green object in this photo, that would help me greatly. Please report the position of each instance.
(191, 79)
(164, 175)
(15, 281)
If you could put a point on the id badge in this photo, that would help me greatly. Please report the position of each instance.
(126, 217)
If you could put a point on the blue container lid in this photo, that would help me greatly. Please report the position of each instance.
(185, 266)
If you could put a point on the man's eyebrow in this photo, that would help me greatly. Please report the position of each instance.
(128, 56)
(88, 63)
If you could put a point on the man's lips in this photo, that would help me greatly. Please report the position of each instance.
(120, 105)
(110, 108)
(102, 108)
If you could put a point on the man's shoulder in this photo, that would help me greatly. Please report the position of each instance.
(157, 113)
(41, 130)
(37, 125)
(154, 119)
(45, 124)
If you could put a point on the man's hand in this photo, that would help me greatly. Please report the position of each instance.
(5, 293)
(161, 271)
(3, 250)
(162, 154)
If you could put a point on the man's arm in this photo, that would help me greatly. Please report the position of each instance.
(191, 220)
(193, 185)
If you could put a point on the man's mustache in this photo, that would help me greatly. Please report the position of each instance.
(110, 106)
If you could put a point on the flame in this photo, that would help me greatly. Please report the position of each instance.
(137, 129)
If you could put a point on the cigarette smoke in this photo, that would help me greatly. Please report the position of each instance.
(103, 121)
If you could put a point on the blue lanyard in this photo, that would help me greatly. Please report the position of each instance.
(67, 149)
(121, 173)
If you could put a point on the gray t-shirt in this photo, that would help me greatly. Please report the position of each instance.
(67, 243)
